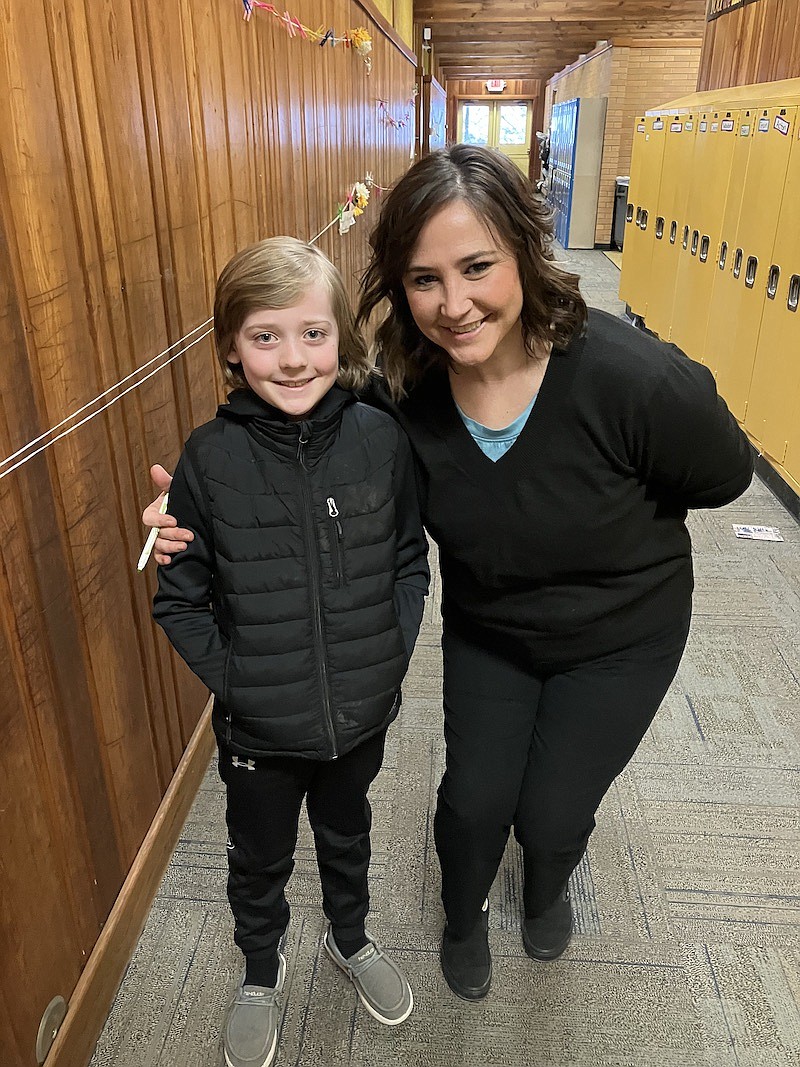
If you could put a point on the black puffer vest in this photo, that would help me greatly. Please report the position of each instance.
(302, 517)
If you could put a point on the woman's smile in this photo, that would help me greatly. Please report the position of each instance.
(468, 331)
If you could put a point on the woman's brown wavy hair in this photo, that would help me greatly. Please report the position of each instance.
(553, 310)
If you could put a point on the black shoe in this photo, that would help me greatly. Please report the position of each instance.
(546, 936)
(467, 962)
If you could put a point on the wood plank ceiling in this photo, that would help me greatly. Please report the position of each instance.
(538, 38)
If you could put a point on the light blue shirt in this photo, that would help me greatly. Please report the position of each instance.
(495, 443)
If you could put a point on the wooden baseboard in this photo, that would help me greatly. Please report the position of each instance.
(93, 996)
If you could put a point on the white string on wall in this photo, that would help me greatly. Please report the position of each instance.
(353, 206)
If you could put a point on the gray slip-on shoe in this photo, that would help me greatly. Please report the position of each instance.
(379, 982)
(250, 1031)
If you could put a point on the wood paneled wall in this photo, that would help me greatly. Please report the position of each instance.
(756, 43)
(141, 144)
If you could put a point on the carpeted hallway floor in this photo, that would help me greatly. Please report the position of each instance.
(687, 950)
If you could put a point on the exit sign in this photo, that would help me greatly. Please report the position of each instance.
(495, 85)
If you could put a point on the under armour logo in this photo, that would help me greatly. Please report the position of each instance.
(248, 764)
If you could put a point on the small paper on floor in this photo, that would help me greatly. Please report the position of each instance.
(758, 533)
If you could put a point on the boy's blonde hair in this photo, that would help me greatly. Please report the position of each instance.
(277, 273)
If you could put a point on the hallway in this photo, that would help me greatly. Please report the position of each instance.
(687, 906)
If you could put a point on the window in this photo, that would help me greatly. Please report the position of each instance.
(476, 124)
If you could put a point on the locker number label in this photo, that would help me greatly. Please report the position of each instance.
(781, 125)
(658, 124)
(763, 125)
(703, 127)
(676, 127)
(727, 126)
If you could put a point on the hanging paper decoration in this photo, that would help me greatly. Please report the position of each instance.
(358, 39)
(391, 120)
(348, 212)
(353, 206)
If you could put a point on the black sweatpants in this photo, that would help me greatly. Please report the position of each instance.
(536, 752)
(264, 797)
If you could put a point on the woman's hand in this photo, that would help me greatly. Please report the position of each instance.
(171, 539)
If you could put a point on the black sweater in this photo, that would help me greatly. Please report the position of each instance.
(574, 543)
(299, 600)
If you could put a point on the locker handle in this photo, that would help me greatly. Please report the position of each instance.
(643, 223)
(659, 227)
(695, 241)
(723, 255)
(639, 217)
(685, 241)
(629, 213)
(737, 262)
(704, 247)
(794, 292)
(673, 232)
(772, 280)
(750, 271)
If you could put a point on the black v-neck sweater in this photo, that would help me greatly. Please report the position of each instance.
(574, 544)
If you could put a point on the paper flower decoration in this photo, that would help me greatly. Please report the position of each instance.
(362, 42)
(360, 197)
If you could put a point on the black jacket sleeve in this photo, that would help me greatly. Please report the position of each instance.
(182, 605)
(691, 446)
(413, 575)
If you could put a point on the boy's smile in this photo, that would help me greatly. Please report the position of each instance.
(290, 356)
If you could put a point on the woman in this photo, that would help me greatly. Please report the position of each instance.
(558, 450)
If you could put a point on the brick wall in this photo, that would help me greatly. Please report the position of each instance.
(633, 80)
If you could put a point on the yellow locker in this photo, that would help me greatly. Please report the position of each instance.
(710, 174)
(720, 327)
(755, 237)
(637, 249)
(791, 465)
(671, 230)
(773, 409)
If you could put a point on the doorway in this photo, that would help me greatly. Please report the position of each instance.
(502, 124)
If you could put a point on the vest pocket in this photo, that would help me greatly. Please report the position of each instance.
(336, 538)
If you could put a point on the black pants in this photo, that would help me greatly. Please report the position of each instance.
(263, 808)
(537, 753)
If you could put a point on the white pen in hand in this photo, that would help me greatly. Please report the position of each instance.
(151, 537)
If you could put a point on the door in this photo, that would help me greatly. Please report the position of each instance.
(502, 124)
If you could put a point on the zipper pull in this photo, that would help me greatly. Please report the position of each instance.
(333, 511)
(302, 441)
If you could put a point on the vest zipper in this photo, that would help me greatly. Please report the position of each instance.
(312, 552)
(336, 538)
